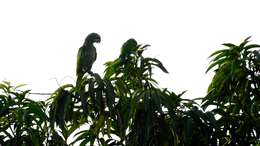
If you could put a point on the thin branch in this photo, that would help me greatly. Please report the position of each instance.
(37, 93)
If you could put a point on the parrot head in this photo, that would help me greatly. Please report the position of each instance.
(131, 43)
(128, 46)
(93, 38)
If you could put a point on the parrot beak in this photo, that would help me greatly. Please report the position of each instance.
(98, 40)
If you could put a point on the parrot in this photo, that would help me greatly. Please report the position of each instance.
(87, 55)
(130, 46)
(85, 58)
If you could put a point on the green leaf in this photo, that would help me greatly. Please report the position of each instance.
(157, 63)
(251, 46)
(110, 95)
(218, 62)
(229, 45)
(219, 51)
(242, 45)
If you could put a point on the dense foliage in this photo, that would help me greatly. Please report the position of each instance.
(127, 107)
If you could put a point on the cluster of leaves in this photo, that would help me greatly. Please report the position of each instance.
(22, 121)
(235, 92)
(126, 107)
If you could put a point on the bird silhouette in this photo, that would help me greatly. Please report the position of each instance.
(87, 55)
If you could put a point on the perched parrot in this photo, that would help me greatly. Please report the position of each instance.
(130, 46)
(87, 55)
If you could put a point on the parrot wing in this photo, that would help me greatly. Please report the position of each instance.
(79, 62)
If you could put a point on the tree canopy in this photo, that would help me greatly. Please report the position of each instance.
(127, 107)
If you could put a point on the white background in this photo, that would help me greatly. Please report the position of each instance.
(39, 40)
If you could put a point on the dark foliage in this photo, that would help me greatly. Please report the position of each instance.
(126, 107)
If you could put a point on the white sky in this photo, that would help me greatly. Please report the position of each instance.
(39, 40)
